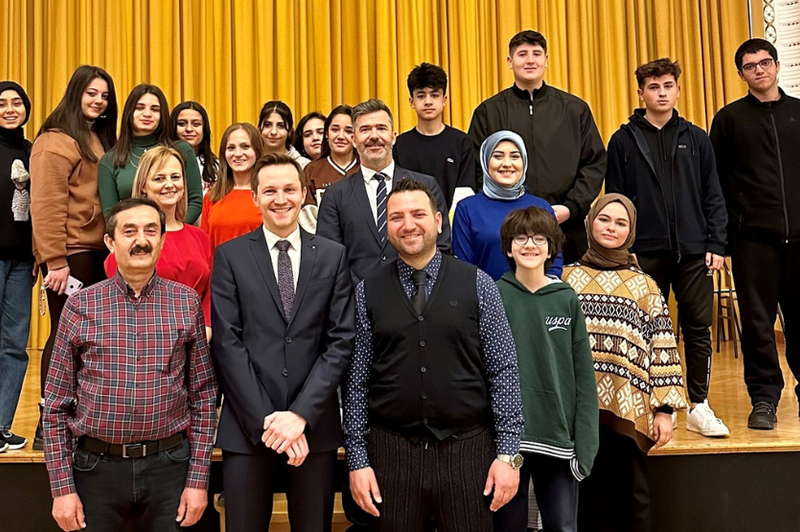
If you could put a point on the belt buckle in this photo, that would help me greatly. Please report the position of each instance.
(126, 447)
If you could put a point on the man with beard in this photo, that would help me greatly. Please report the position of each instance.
(133, 381)
(433, 412)
(353, 211)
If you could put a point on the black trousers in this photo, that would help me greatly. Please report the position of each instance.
(576, 242)
(694, 292)
(432, 480)
(248, 480)
(767, 274)
(615, 497)
(86, 267)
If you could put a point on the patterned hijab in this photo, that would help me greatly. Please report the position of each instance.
(601, 257)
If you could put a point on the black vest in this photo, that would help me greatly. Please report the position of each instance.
(428, 370)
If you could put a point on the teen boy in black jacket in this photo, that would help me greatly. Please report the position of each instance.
(756, 141)
(666, 166)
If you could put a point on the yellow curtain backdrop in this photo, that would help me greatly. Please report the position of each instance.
(233, 55)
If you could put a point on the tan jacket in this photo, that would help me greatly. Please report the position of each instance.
(65, 206)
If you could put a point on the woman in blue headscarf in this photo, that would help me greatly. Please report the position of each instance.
(477, 221)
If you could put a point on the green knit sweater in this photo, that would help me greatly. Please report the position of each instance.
(559, 394)
(116, 184)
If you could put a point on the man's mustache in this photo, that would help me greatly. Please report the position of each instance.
(141, 249)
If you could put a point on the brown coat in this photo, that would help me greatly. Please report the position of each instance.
(65, 206)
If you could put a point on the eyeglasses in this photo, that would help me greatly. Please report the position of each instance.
(538, 240)
(764, 64)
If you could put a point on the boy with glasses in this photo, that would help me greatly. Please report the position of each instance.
(755, 140)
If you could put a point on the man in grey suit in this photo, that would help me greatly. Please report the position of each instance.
(283, 331)
(353, 211)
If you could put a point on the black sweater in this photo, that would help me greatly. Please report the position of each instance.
(757, 145)
(15, 237)
(670, 176)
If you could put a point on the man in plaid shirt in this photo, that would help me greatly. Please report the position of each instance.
(133, 381)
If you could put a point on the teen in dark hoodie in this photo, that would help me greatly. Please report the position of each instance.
(666, 166)
(557, 376)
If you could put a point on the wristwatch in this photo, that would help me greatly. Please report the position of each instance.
(514, 460)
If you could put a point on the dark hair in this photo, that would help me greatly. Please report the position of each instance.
(655, 69)
(426, 76)
(340, 110)
(533, 220)
(276, 159)
(526, 37)
(298, 133)
(131, 203)
(409, 184)
(68, 117)
(277, 106)
(204, 150)
(224, 183)
(753, 46)
(372, 106)
(122, 151)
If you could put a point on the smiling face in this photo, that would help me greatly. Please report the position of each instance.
(506, 164)
(94, 100)
(374, 139)
(146, 115)
(612, 226)
(313, 133)
(239, 152)
(165, 185)
(759, 79)
(279, 197)
(411, 225)
(275, 131)
(189, 127)
(529, 62)
(532, 254)
(659, 94)
(137, 240)
(340, 135)
(12, 110)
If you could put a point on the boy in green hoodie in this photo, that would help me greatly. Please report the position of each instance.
(557, 375)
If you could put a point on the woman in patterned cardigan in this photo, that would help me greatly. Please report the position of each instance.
(637, 366)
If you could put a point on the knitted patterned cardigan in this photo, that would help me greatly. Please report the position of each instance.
(637, 365)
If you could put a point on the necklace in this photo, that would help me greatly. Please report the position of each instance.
(138, 157)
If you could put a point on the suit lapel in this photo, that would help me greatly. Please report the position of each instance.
(308, 258)
(360, 193)
(258, 246)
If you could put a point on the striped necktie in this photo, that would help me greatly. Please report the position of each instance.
(380, 201)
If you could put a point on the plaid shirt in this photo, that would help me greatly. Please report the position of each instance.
(128, 369)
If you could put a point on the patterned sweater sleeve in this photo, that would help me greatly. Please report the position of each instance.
(666, 372)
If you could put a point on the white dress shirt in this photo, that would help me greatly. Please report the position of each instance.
(293, 251)
(372, 186)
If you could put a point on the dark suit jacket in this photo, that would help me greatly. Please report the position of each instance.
(345, 216)
(264, 363)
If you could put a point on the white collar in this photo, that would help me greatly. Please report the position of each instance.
(272, 238)
(368, 173)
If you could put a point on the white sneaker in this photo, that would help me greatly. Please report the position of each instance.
(703, 420)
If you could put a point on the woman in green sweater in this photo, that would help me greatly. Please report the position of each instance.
(559, 396)
(145, 123)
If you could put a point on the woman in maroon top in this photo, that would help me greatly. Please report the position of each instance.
(186, 255)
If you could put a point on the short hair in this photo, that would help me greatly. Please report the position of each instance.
(533, 220)
(372, 106)
(655, 69)
(526, 37)
(427, 76)
(409, 184)
(276, 159)
(753, 46)
(132, 203)
(297, 142)
(154, 160)
(283, 110)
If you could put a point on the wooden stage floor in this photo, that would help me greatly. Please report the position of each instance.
(727, 396)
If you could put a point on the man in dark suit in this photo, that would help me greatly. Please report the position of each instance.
(283, 332)
(353, 211)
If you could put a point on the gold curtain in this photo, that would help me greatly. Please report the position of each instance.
(233, 55)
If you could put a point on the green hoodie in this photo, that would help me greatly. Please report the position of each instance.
(559, 393)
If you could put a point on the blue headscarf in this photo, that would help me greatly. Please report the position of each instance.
(491, 188)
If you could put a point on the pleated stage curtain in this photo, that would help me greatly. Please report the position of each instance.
(233, 55)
